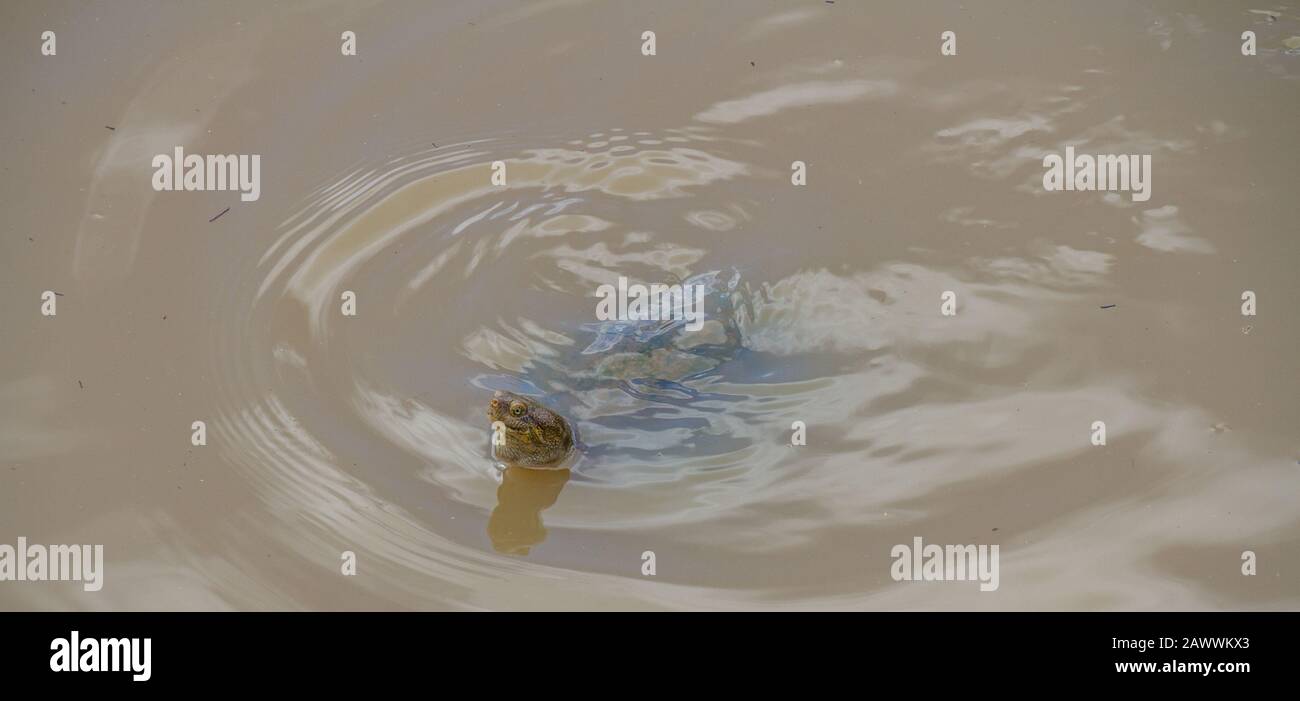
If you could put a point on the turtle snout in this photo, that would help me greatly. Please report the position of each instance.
(498, 404)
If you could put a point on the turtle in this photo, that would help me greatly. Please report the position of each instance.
(643, 357)
(535, 436)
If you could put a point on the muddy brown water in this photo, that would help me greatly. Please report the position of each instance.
(368, 433)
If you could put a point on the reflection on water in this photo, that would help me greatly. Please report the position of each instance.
(331, 433)
(515, 525)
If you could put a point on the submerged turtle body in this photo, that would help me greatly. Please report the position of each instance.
(668, 349)
(644, 358)
(675, 361)
(717, 288)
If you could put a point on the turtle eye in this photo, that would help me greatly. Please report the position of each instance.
(517, 409)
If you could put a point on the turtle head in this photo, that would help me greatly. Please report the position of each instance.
(534, 435)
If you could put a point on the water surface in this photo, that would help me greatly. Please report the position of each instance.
(368, 433)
